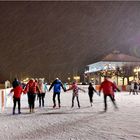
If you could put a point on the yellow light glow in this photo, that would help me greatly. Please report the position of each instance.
(76, 77)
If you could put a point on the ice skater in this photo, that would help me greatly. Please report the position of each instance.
(43, 88)
(57, 84)
(32, 89)
(16, 97)
(91, 91)
(131, 87)
(108, 90)
(75, 89)
(135, 88)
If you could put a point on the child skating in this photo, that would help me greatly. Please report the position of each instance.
(91, 91)
(75, 89)
(16, 97)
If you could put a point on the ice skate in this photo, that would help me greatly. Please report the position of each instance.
(59, 106)
(54, 106)
(91, 104)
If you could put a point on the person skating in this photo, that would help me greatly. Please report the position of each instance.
(132, 87)
(135, 88)
(57, 84)
(91, 91)
(16, 97)
(32, 89)
(108, 87)
(75, 89)
(43, 88)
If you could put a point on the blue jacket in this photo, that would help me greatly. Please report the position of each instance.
(57, 86)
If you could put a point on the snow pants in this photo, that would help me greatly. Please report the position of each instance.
(58, 96)
(41, 97)
(90, 97)
(105, 101)
(15, 100)
(31, 99)
(73, 97)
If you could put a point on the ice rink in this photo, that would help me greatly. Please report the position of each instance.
(66, 123)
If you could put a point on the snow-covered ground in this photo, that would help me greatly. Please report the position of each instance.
(66, 123)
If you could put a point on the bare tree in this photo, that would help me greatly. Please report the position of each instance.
(125, 72)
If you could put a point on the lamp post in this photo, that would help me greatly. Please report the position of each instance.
(137, 70)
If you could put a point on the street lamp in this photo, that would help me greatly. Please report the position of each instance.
(137, 70)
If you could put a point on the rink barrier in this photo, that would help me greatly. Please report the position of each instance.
(3, 97)
(123, 88)
(2, 100)
(97, 87)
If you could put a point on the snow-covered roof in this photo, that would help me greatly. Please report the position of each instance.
(111, 61)
(119, 57)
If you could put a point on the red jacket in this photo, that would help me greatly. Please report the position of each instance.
(107, 87)
(32, 87)
(17, 91)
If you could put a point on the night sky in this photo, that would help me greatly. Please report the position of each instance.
(58, 39)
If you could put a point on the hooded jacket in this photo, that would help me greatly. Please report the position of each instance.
(57, 84)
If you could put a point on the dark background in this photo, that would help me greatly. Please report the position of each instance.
(58, 39)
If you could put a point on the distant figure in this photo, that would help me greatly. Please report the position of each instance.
(135, 88)
(65, 85)
(7, 84)
(75, 89)
(138, 86)
(91, 91)
(131, 87)
(16, 97)
(32, 89)
(57, 84)
(108, 90)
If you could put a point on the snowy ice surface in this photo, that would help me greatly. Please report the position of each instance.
(66, 123)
